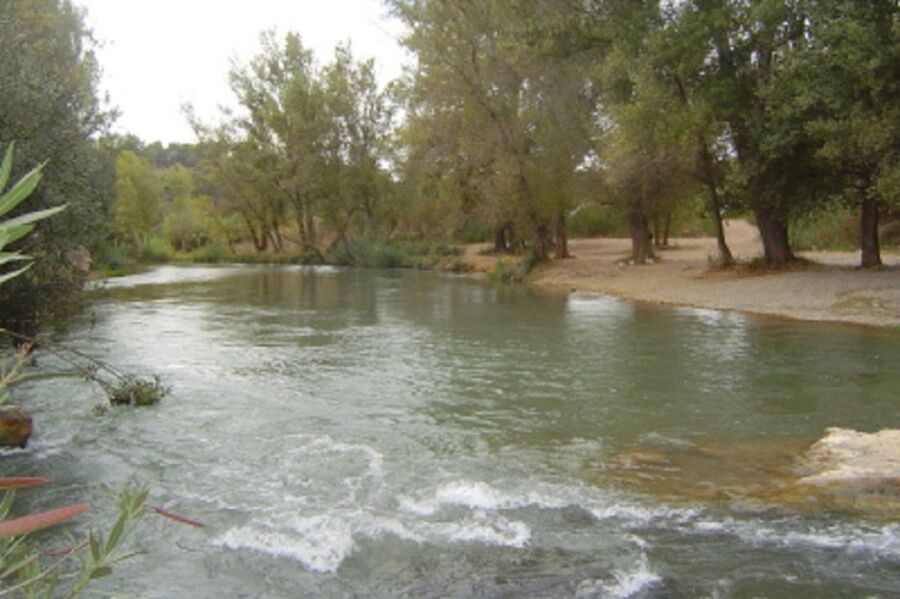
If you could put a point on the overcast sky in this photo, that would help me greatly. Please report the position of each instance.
(158, 54)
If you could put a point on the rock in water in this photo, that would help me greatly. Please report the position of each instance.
(845, 470)
(855, 465)
(15, 426)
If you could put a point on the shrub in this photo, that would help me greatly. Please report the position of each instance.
(156, 250)
(504, 272)
(211, 253)
(836, 229)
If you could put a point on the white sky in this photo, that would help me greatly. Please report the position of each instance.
(158, 54)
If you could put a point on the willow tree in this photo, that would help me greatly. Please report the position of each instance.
(285, 123)
(492, 65)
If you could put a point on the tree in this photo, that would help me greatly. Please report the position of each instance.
(486, 67)
(51, 108)
(137, 206)
(845, 84)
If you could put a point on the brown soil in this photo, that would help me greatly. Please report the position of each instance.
(828, 287)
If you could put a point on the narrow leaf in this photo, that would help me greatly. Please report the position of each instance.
(31, 217)
(6, 257)
(101, 572)
(6, 167)
(23, 482)
(12, 275)
(115, 535)
(10, 234)
(6, 504)
(95, 547)
(21, 190)
(40, 521)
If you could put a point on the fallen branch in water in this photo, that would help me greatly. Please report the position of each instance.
(176, 517)
(120, 388)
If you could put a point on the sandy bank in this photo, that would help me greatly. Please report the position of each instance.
(830, 289)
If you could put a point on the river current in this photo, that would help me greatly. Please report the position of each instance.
(352, 433)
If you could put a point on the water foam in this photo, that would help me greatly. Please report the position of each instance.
(883, 541)
(626, 582)
(320, 543)
(482, 496)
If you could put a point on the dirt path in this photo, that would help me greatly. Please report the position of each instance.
(830, 289)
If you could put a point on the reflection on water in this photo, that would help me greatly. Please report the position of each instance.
(355, 433)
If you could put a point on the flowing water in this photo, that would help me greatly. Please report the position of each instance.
(384, 434)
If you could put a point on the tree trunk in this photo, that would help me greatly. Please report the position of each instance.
(868, 233)
(541, 240)
(251, 228)
(641, 238)
(774, 234)
(726, 259)
(277, 240)
(667, 229)
(312, 241)
(501, 245)
(709, 177)
(562, 238)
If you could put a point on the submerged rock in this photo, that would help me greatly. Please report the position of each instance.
(845, 470)
(15, 426)
(861, 468)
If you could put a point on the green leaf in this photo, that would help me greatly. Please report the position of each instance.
(21, 190)
(11, 257)
(6, 504)
(6, 167)
(31, 217)
(9, 235)
(139, 499)
(12, 275)
(115, 535)
(101, 572)
(95, 547)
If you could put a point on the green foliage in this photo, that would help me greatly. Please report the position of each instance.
(507, 273)
(31, 570)
(366, 253)
(138, 392)
(13, 229)
(835, 229)
(155, 250)
(211, 253)
(51, 108)
(595, 220)
(188, 223)
(137, 207)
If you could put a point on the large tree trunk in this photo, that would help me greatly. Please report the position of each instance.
(561, 237)
(641, 238)
(501, 243)
(868, 233)
(774, 234)
(541, 241)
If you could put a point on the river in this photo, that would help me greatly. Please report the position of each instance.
(352, 433)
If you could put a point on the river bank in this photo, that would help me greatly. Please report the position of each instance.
(828, 288)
